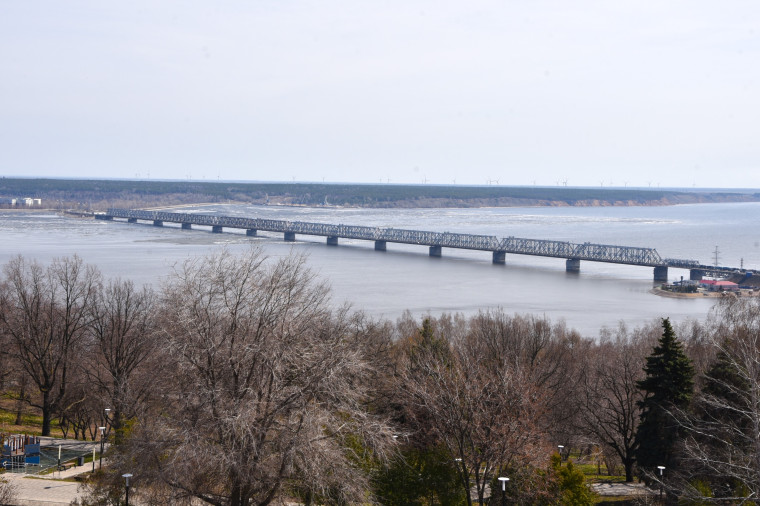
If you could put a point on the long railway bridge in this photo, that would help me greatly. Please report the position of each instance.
(573, 253)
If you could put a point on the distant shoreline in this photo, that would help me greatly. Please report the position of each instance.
(102, 194)
(701, 295)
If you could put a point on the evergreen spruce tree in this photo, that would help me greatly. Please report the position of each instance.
(723, 454)
(726, 392)
(668, 386)
(721, 428)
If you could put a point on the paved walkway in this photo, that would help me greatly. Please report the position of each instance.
(42, 492)
(50, 490)
(47, 489)
(620, 489)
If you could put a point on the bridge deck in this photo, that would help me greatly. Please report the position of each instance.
(629, 255)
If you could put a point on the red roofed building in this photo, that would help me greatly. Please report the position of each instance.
(723, 286)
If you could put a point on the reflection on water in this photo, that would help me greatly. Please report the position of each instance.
(404, 277)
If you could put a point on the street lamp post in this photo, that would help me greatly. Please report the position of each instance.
(107, 423)
(127, 477)
(503, 480)
(560, 448)
(102, 434)
(459, 466)
(661, 468)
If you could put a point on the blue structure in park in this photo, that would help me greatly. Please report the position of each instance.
(19, 450)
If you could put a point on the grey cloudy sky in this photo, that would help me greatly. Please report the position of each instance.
(632, 93)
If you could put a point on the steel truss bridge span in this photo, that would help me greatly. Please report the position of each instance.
(572, 252)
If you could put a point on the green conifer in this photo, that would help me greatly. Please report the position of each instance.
(668, 387)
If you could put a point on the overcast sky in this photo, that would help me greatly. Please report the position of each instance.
(623, 93)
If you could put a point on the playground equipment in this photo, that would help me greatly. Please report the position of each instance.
(19, 451)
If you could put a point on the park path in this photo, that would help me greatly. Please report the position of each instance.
(51, 489)
(619, 489)
(47, 490)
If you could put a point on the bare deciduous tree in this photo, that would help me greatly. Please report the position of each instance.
(723, 443)
(8, 491)
(123, 340)
(480, 393)
(5, 361)
(550, 356)
(44, 314)
(267, 385)
(78, 409)
(610, 410)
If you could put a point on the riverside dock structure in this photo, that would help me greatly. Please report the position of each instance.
(573, 253)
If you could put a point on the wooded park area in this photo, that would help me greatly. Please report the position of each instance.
(238, 382)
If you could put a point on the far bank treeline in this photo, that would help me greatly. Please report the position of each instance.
(99, 194)
(238, 382)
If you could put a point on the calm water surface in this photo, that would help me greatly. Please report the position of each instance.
(404, 277)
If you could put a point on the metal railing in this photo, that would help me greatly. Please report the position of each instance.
(630, 255)
(538, 247)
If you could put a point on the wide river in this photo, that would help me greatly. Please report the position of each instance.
(385, 284)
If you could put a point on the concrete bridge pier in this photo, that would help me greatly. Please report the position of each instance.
(129, 220)
(499, 257)
(661, 273)
(158, 223)
(251, 232)
(696, 274)
(332, 240)
(216, 229)
(290, 236)
(435, 251)
(380, 245)
(572, 265)
(187, 226)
